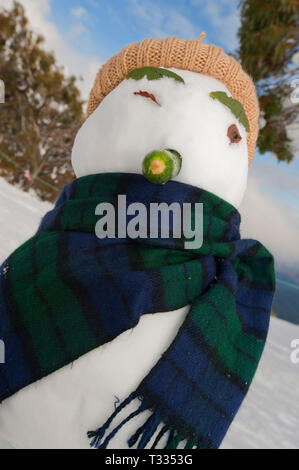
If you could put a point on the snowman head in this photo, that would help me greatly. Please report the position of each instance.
(192, 112)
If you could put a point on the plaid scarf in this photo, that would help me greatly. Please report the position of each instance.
(65, 292)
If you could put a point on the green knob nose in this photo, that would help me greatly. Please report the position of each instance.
(160, 166)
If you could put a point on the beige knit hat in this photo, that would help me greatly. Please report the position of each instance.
(182, 54)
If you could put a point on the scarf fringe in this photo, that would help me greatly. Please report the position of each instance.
(144, 433)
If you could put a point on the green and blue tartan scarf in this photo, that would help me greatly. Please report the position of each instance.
(65, 292)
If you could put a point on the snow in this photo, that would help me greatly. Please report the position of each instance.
(188, 120)
(20, 214)
(269, 417)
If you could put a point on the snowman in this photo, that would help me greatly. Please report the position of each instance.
(160, 99)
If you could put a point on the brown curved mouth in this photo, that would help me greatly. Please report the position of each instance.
(146, 94)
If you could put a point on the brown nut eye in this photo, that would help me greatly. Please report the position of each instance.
(233, 134)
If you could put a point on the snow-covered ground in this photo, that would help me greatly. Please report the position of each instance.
(269, 417)
(20, 214)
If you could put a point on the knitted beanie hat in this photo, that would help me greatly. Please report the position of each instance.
(189, 55)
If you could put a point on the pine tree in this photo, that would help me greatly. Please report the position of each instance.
(42, 109)
(268, 36)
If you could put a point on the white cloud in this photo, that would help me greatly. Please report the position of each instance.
(79, 13)
(224, 17)
(78, 29)
(77, 64)
(161, 20)
(93, 3)
(272, 220)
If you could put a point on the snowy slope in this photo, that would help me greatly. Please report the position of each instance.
(269, 417)
(20, 214)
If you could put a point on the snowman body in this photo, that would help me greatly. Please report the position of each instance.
(57, 411)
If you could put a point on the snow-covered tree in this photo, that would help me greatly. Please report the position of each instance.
(268, 36)
(42, 109)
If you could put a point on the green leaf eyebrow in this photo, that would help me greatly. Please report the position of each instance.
(234, 105)
(153, 73)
